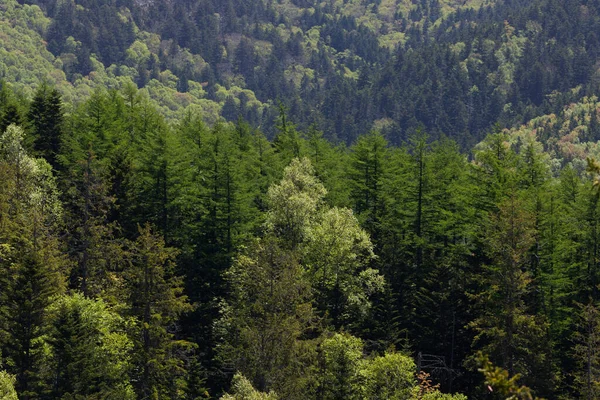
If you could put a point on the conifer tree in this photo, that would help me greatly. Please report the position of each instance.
(446, 244)
(157, 302)
(330, 166)
(92, 241)
(218, 199)
(46, 120)
(287, 142)
(10, 116)
(88, 352)
(101, 125)
(10, 111)
(586, 352)
(148, 184)
(562, 254)
(267, 166)
(494, 172)
(367, 168)
(505, 327)
(33, 266)
(342, 361)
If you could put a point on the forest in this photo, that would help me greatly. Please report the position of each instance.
(148, 260)
(455, 68)
(296, 199)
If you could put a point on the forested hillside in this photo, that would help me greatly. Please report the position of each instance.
(176, 255)
(454, 68)
(299, 200)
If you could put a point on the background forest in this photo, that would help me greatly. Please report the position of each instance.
(299, 199)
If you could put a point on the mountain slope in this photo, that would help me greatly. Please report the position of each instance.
(452, 68)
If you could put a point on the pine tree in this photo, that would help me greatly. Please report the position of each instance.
(438, 241)
(93, 244)
(10, 115)
(330, 166)
(505, 327)
(33, 266)
(287, 142)
(587, 345)
(46, 120)
(157, 302)
(150, 187)
(367, 168)
(342, 361)
(88, 352)
(494, 170)
(217, 200)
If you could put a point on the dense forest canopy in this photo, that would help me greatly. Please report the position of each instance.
(297, 199)
(453, 67)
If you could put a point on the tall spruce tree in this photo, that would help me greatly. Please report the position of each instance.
(156, 300)
(586, 352)
(46, 123)
(505, 326)
(88, 352)
(368, 165)
(33, 267)
(10, 110)
(93, 243)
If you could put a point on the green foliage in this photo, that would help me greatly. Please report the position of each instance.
(505, 328)
(30, 256)
(294, 202)
(334, 249)
(242, 390)
(7, 386)
(390, 376)
(150, 188)
(347, 66)
(219, 182)
(46, 119)
(347, 374)
(342, 360)
(287, 140)
(267, 319)
(427, 390)
(98, 253)
(88, 353)
(336, 254)
(587, 377)
(367, 170)
(25, 59)
(494, 251)
(499, 381)
(11, 110)
(157, 301)
(436, 395)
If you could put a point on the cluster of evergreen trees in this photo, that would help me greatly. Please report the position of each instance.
(346, 66)
(148, 260)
